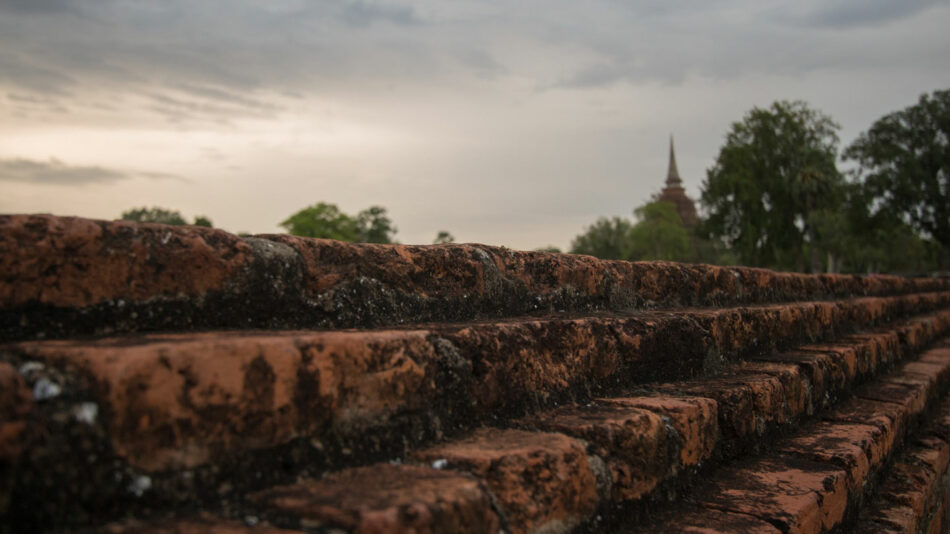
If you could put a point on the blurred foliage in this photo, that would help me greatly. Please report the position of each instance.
(443, 237)
(324, 220)
(607, 239)
(777, 166)
(161, 215)
(904, 166)
(659, 234)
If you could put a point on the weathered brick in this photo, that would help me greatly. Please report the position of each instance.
(799, 495)
(541, 480)
(16, 402)
(634, 442)
(192, 526)
(747, 404)
(912, 397)
(387, 499)
(826, 375)
(178, 400)
(68, 261)
(890, 418)
(694, 418)
(856, 448)
(695, 520)
(795, 386)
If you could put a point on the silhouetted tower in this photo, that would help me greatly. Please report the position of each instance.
(675, 194)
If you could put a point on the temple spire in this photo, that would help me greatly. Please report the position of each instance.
(673, 175)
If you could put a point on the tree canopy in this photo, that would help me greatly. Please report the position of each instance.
(325, 220)
(161, 215)
(659, 234)
(904, 165)
(443, 237)
(777, 166)
(607, 239)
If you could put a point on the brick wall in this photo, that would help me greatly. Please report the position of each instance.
(183, 379)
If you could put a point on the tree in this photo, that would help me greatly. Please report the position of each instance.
(904, 164)
(322, 220)
(161, 215)
(153, 215)
(443, 237)
(327, 221)
(373, 226)
(659, 233)
(607, 239)
(776, 167)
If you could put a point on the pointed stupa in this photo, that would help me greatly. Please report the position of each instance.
(675, 194)
(673, 174)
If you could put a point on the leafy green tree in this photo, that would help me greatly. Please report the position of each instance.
(904, 163)
(153, 215)
(373, 226)
(322, 220)
(776, 167)
(659, 234)
(443, 237)
(607, 239)
(327, 221)
(163, 216)
(548, 248)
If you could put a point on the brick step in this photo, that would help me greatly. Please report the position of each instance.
(67, 276)
(914, 496)
(581, 460)
(175, 401)
(818, 478)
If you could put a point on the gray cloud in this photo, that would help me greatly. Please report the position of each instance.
(856, 13)
(363, 14)
(37, 6)
(55, 172)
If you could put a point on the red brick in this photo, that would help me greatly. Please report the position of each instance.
(912, 397)
(826, 375)
(694, 418)
(696, 520)
(794, 385)
(192, 526)
(889, 417)
(387, 499)
(856, 448)
(747, 403)
(799, 495)
(634, 442)
(178, 400)
(16, 402)
(68, 261)
(540, 479)
(845, 356)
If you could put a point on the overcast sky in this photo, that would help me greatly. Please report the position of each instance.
(513, 123)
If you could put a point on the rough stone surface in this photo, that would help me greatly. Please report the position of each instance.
(799, 495)
(387, 499)
(543, 481)
(16, 402)
(177, 401)
(63, 276)
(697, 520)
(694, 418)
(193, 526)
(635, 442)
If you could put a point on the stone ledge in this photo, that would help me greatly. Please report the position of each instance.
(66, 276)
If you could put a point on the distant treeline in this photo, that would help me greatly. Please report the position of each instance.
(774, 197)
